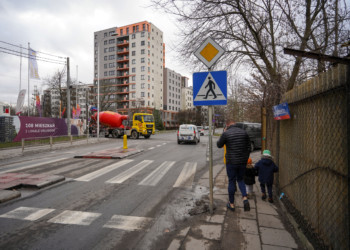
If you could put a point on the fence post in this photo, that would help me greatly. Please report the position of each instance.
(348, 142)
(50, 142)
(22, 145)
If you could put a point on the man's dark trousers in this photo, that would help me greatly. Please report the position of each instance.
(235, 172)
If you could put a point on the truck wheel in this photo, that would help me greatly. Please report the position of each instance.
(147, 136)
(115, 133)
(134, 134)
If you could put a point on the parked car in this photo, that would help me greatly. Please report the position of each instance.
(201, 130)
(188, 133)
(206, 127)
(254, 132)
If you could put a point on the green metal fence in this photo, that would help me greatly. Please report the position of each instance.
(313, 158)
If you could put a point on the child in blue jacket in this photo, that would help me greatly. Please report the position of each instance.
(265, 168)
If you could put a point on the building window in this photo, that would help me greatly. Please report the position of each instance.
(142, 60)
(133, 53)
(133, 70)
(111, 57)
(111, 49)
(111, 65)
(142, 85)
(133, 86)
(142, 68)
(142, 43)
(133, 95)
(127, 31)
(133, 61)
(143, 34)
(133, 78)
(111, 33)
(142, 77)
(142, 94)
(105, 58)
(105, 34)
(105, 65)
(142, 51)
(105, 50)
(105, 73)
(121, 31)
(111, 41)
(133, 36)
(133, 45)
(111, 73)
(105, 42)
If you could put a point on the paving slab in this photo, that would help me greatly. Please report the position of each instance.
(268, 247)
(217, 218)
(248, 226)
(210, 232)
(265, 207)
(272, 221)
(193, 243)
(277, 237)
(252, 242)
(6, 195)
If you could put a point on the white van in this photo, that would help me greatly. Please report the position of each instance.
(188, 133)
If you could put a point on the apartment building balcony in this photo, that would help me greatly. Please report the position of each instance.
(122, 59)
(123, 98)
(123, 74)
(123, 91)
(122, 43)
(123, 66)
(123, 51)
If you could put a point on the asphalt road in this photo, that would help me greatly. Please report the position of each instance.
(104, 204)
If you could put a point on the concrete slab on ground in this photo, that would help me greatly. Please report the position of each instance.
(13, 180)
(6, 195)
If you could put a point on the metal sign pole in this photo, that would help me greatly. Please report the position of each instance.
(211, 158)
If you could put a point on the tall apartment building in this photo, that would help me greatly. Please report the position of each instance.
(129, 62)
(172, 90)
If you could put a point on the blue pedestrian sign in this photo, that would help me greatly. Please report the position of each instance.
(210, 88)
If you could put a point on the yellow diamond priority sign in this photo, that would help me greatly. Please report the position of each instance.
(209, 52)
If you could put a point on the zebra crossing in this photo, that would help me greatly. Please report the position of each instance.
(185, 178)
(79, 218)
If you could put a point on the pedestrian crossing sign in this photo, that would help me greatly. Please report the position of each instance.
(210, 88)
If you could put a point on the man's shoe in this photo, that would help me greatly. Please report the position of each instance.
(263, 197)
(246, 205)
(231, 206)
(270, 200)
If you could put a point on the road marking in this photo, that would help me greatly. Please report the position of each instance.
(27, 213)
(187, 175)
(34, 165)
(75, 218)
(153, 178)
(151, 148)
(98, 173)
(130, 172)
(128, 223)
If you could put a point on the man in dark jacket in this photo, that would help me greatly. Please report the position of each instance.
(237, 153)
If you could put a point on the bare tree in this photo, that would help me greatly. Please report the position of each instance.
(254, 33)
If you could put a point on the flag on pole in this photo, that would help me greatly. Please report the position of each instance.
(38, 106)
(78, 111)
(33, 66)
(20, 101)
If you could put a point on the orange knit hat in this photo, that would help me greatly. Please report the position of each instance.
(250, 161)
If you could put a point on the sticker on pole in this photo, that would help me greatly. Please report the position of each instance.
(210, 88)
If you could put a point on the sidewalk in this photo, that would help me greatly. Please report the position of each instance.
(260, 228)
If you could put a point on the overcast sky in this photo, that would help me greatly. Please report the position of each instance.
(65, 28)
